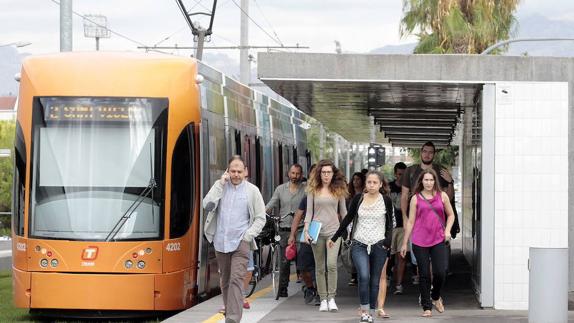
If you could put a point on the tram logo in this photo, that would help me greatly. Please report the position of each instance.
(90, 253)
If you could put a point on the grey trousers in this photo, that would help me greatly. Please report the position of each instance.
(233, 268)
(326, 267)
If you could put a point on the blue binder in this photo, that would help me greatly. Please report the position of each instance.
(314, 229)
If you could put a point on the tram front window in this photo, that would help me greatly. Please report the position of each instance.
(93, 162)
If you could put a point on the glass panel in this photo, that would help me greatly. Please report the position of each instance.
(182, 184)
(19, 182)
(97, 168)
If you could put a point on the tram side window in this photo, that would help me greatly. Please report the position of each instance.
(182, 183)
(19, 182)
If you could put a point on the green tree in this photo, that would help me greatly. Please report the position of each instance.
(458, 26)
(7, 131)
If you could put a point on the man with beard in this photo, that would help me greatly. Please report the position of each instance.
(236, 215)
(412, 173)
(286, 197)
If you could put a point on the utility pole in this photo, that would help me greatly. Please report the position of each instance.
(244, 72)
(66, 26)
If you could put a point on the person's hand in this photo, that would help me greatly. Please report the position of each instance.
(291, 239)
(447, 235)
(330, 244)
(403, 251)
(224, 177)
(308, 238)
(445, 175)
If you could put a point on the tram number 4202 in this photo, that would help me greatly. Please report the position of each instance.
(173, 246)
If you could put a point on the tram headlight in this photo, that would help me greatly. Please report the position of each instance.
(54, 263)
(44, 263)
(148, 250)
(141, 264)
(128, 264)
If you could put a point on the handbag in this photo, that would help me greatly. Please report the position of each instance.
(345, 255)
(291, 252)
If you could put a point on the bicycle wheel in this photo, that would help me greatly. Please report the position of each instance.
(276, 260)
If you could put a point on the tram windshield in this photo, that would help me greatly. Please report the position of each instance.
(93, 162)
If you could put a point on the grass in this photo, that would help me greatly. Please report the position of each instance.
(9, 313)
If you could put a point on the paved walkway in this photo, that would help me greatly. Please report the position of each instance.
(5, 254)
(459, 298)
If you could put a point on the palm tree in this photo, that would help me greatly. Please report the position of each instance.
(458, 26)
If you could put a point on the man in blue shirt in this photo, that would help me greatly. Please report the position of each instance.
(236, 216)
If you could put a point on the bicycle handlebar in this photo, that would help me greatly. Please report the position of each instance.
(279, 218)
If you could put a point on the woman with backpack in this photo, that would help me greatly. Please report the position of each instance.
(430, 220)
(371, 214)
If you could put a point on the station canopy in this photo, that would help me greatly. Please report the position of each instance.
(406, 112)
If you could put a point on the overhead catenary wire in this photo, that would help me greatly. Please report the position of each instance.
(111, 31)
(267, 20)
(256, 24)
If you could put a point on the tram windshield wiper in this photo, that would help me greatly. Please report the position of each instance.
(131, 209)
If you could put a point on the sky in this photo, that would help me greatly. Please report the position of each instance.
(359, 25)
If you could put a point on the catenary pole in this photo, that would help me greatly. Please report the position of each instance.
(244, 73)
(66, 26)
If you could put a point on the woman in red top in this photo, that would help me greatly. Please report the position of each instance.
(430, 233)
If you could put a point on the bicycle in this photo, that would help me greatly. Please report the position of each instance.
(270, 238)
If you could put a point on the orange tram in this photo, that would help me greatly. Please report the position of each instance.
(113, 153)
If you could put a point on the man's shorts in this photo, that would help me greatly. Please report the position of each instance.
(305, 259)
(397, 240)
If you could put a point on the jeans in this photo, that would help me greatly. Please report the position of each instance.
(369, 268)
(437, 256)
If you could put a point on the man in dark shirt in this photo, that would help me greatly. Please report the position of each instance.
(398, 231)
(412, 173)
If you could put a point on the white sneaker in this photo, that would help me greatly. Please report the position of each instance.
(324, 306)
(398, 290)
(332, 305)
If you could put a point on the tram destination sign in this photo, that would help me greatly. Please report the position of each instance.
(101, 109)
(92, 113)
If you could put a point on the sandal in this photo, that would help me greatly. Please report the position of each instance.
(382, 314)
(427, 313)
(438, 305)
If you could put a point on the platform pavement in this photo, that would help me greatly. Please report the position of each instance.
(5, 254)
(459, 299)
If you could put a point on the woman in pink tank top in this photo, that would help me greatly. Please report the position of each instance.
(430, 230)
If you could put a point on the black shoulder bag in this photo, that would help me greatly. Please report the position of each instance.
(345, 255)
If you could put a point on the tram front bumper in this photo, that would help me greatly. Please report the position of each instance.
(92, 291)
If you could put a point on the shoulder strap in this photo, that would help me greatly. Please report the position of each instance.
(313, 209)
(356, 216)
(434, 210)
